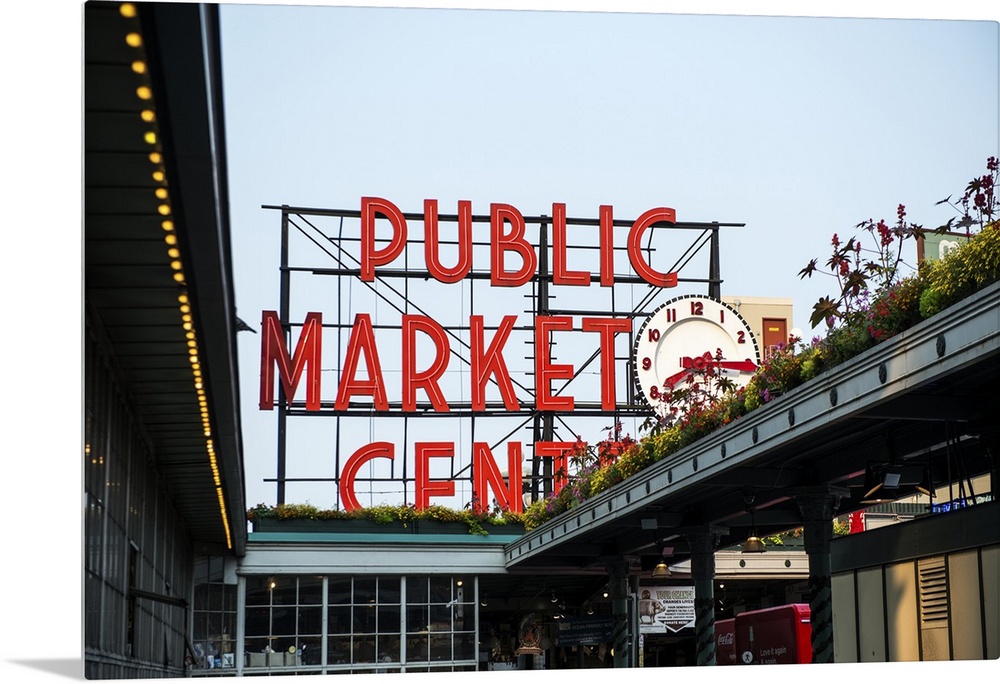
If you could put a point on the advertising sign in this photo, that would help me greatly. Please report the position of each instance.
(408, 329)
(584, 631)
(666, 610)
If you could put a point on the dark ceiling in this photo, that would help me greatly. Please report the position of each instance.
(132, 297)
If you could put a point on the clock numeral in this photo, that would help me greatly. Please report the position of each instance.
(741, 337)
(697, 308)
(654, 334)
(647, 363)
(671, 315)
(722, 315)
(654, 392)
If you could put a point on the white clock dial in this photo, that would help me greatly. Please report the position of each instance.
(684, 335)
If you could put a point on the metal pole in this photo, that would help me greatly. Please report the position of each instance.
(284, 298)
(703, 544)
(620, 631)
(817, 508)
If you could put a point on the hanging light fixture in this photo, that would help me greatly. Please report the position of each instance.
(661, 570)
(753, 544)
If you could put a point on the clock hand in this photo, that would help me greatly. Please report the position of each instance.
(748, 365)
(701, 361)
(673, 379)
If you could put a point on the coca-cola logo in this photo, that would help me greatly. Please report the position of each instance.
(727, 639)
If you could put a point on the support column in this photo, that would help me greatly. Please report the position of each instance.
(618, 592)
(703, 542)
(817, 507)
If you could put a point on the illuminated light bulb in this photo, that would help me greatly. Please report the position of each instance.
(195, 366)
(127, 10)
(144, 93)
(173, 253)
(161, 193)
(184, 307)
(164, 209)
(155, 157)
(133, 40)
(168, 225)
(149, 137)
(182, 298)
(147, 115)
(176, 265)
(139, 67)
(170, 239)
(159, 176)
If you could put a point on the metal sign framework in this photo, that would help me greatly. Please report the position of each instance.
(308, 233)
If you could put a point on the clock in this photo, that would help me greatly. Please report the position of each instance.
(686, 335)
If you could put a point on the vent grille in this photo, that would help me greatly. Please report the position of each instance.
(933, 577)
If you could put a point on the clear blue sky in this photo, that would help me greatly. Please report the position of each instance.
(797, 127)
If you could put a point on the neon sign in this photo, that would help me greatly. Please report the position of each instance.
(421, 350)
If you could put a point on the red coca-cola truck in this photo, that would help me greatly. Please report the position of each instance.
(770, 636)
(725, 642)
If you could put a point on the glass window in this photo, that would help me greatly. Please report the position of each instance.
(364, 623)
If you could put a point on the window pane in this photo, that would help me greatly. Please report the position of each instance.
(283, 620)
(312, 649)
(465, 646)
(311, 620)
(284, 592)
(364, 649)
(258, 622)
(258, 593)
(339, 591)
(440, 589)
(310, 591)
(338, 650)
(416, 590)
(417, 618)
(416, 647)
(339, 620)
(388, 619)
(387, 648)
(440, 646)
(388, 590)
(364, 589)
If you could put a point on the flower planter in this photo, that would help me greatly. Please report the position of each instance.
(355, 526)
(362, 526)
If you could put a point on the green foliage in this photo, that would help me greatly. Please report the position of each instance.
(962, 272)
(385, 514)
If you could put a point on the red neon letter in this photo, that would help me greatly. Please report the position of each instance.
(371, 257)
(487, 476)
(560, 276)
(644, 270)
(500, 243)
(607, 242)
(607, 327)
(490, 363)
(273, 349)
(425, 488)
(545, 371)
(434, 267)
(559, 453)
(427, 379)
(362, 339)
(353, 465)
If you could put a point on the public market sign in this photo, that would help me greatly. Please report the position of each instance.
(513, 262)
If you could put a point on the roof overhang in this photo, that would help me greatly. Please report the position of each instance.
(180, 375)
(927, 396)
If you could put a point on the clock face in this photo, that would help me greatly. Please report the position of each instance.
(685, 335)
